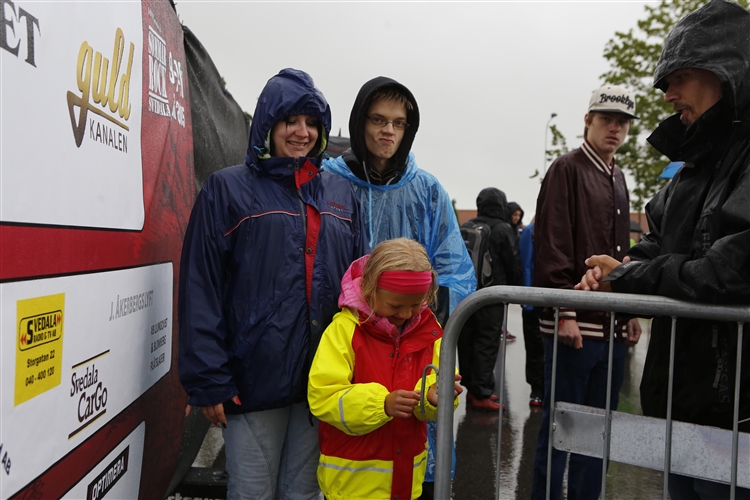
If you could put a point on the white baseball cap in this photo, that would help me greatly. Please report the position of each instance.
(613, 99)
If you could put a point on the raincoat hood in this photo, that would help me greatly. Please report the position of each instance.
(359, 115)
(512, 207)
(291, 92)
(716, 38)
(492, 203)
(351, 297)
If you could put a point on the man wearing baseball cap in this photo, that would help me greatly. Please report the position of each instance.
(583, 205)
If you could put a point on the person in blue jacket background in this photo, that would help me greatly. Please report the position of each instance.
(532, 336)
(398, 198)
(264, 253)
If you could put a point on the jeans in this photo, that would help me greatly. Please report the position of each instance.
(272, 454)
(581, 379)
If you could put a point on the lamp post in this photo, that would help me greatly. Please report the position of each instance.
(546, 129)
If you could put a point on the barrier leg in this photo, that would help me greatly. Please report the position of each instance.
(501, 395)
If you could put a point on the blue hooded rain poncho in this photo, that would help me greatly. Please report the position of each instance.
(412, 204)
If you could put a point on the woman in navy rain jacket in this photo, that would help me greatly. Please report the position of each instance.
(264, 253)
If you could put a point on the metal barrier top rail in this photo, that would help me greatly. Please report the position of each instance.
(638, 305)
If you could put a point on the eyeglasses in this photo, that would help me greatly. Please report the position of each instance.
(382, 123)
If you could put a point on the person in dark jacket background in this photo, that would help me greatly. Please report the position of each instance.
(515, 217)
(264, 253)
(532, 336)
(698, 247)
(480, 337)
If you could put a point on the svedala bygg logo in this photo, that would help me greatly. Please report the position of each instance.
(105, 91)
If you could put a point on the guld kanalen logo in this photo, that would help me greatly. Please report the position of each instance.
(104, 89)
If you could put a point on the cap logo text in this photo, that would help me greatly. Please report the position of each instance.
(622, 99)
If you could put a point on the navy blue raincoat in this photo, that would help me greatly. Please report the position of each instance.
(264, 253)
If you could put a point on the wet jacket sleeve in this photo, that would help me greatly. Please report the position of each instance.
(203, 355)
(554, 247)
(354, 409)
(431, 379)
(721, 275)
(447, 250)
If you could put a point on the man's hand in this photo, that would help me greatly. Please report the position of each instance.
(634, 332)
(432, 396)
(601, 266)
(216, 413)
(401, 403)
(569, 334)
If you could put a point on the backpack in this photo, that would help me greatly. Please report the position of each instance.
(476, 237)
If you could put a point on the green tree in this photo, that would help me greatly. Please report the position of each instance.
(559, 146)
(633, 57)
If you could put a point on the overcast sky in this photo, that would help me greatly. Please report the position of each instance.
(486, 76)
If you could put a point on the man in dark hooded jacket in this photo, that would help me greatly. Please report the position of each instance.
(698, 248)
(480, 336)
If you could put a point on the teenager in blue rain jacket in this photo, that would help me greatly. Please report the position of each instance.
(398, 198)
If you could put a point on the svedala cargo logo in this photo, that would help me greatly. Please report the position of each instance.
(104, 91)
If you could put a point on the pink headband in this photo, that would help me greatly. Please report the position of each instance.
(406, 282)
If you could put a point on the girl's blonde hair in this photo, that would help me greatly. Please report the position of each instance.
(399, 254)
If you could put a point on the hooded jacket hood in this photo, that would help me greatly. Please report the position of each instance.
(512, 207)
(492, 203)
(359, 115)
(291, 92)
(351, 297)
(716, 38)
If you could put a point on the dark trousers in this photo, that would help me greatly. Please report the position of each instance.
(581, 379)
(477, 350)
(689, 488)
(532, 339)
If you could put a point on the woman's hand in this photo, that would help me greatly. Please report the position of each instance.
(215, 414)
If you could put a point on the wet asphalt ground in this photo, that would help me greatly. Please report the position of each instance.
(476, 436)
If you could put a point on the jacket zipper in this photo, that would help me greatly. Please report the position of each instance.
(303, 208)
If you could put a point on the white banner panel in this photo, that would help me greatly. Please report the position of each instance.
(76, 351)
(118, 475)
(71, 113)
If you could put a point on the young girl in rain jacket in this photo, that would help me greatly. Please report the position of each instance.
(365, 381)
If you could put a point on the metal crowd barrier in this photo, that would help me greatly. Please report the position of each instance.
(698, 451)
